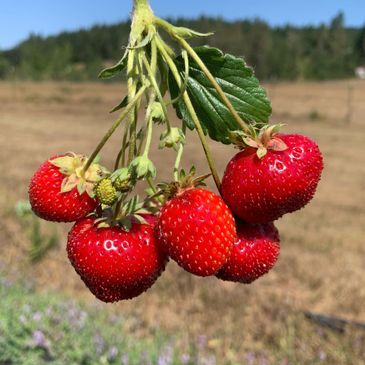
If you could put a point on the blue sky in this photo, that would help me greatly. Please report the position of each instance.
(21, 17)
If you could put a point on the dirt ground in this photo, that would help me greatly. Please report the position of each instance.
(322, 264)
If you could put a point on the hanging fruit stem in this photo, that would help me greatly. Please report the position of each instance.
(112, 129)
(192, 112)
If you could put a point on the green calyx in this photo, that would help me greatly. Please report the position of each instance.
(106, 192)
(72, 166)
(142, 167)
(184, 182)
(172, 138)
(262, 141)
(157, 113)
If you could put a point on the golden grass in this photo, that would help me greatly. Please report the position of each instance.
(322, 263)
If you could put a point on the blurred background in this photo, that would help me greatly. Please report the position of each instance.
(309, 309)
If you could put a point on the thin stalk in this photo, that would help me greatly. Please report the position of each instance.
(132, 70)
(151, 184)
(112, 129)
(132, 138)
(153, 57)
(121, 155)
(192, 113)
(186, 78)
(178, 161)
(125, 144)
(185, 45)
(153, 81)
(179, 156)
(149, 132)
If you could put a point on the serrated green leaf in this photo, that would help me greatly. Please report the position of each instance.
(110, 72)
(237, 81)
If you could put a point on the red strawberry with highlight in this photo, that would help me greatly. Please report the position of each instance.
(197, 230)
(255, 252)
(59, 191)
(261, 188)
(113, 263)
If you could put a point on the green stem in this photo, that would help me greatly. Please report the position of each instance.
(149, 126)
(153, 57)
(177, 161)
(151, 184)
(186, 78)
(179, 156)
(125, 144)
(112, 129)
(132, 138)
(121, 155)
(153, 81)
(214, 82)
(192, 113)
(133, 74)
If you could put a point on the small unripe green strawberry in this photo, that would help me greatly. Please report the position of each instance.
(105, 192)
(122, 185)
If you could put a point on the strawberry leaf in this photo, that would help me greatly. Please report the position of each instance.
(237, 81)
(121, 105)
(115, 70)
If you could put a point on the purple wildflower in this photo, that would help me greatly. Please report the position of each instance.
(201, 342)
(39, 339)
(166, 355)
(250, 358)
(37, 316)
(112, 353)
(99, 344)
(322, 356)
(185, 359)
(125, 359)
(264, 360)
(210, 360)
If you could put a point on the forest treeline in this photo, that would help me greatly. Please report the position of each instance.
(328, 51)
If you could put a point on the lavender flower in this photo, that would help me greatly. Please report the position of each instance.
(166, 355)
(39, 339)
(99, 344)
(125, 359)
(37, 316)
(250, 358)
(210, 360)
(185, 359)
(112, 353)
(201, 342)
(322, 356)
(264, 360)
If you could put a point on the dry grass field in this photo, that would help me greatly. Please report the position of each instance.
(322, 264)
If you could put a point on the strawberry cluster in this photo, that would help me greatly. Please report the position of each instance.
(232, 237)
(120, 246)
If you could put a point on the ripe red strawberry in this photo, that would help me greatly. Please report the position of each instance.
(197, 230)
(254, 253)
(262, 190)
(54, 190)
(115, 264)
